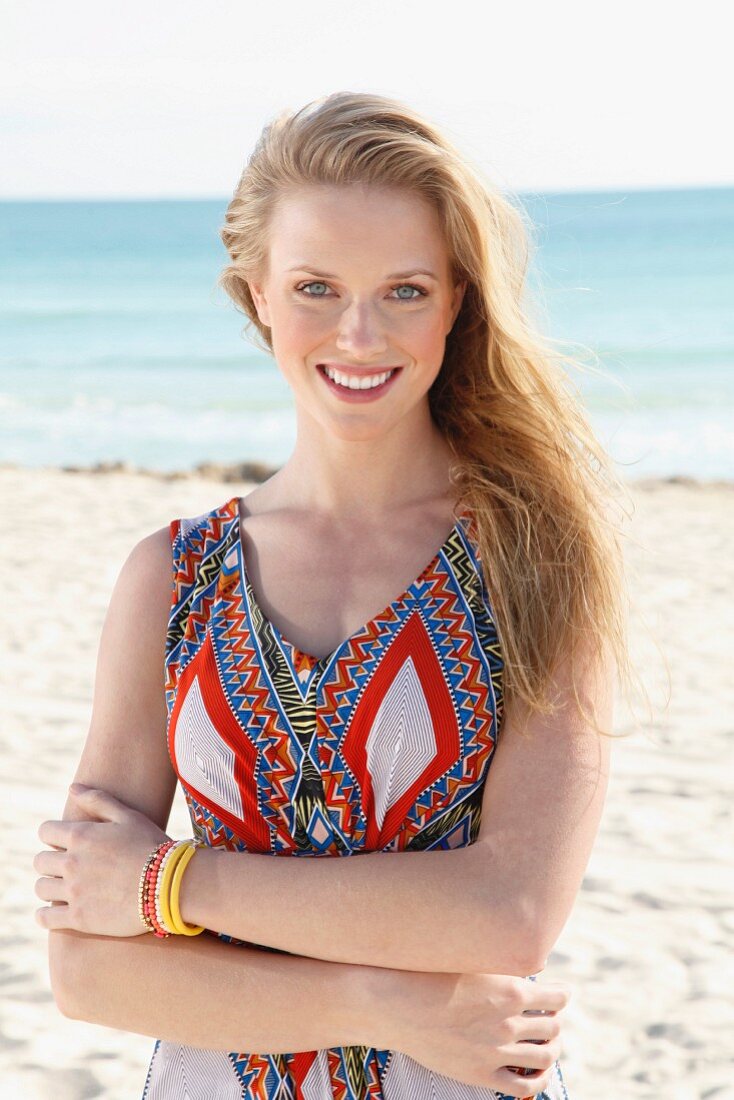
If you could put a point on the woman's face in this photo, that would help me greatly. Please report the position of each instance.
(358, 280)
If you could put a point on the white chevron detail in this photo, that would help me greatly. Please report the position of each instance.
(205, 761)
(317, 1084)
(189, 1073)
(401, 742)
(188, 524)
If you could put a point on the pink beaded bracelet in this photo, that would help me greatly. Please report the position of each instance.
(147, 897)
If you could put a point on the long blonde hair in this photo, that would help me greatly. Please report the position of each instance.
(540, 488)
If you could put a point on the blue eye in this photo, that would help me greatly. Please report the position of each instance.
(301, 288)
(410, 286)
(304, 285)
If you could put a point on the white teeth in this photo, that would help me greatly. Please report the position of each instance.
(352, 383)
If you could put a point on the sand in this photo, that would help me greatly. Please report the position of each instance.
(648, 947)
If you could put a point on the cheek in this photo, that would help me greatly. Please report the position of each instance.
(426, 335)
(295, 332)
(296, 327)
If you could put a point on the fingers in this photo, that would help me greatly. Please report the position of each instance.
(539, 1029)
(62, 834)
(524, 1085)
(537, 1046)
(97, 803)
(533, 1053)
(56, 833)
(529, 1056)
(549, 997)
(53, 916)
(50, 863)
(57, 914)
(51, 889)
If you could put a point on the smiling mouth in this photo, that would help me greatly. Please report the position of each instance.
(357, 383)
(355, 388)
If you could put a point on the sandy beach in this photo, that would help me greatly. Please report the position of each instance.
(648, 948)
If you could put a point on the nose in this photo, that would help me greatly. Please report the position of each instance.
(361, 331)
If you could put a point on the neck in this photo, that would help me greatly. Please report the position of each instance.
(361, 477)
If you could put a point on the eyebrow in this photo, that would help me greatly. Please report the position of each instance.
(395, 275)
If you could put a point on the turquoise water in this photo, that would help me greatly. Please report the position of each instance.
(116, 344)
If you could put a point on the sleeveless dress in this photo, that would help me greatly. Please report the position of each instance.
(383, 745)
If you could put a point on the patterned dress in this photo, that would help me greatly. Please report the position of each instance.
(383, 745)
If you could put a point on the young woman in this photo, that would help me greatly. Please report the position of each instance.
(401, 646)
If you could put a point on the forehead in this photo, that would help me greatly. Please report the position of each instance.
(327, 225)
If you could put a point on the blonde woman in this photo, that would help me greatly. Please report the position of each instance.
(400, 646)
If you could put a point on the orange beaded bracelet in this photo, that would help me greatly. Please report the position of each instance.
(160, 886)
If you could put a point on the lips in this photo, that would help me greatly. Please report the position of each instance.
(357, 394)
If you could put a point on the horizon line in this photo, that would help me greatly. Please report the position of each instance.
(142, 197)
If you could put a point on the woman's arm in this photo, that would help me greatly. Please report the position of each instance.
(254, 1000)
(497, 906)
(206, 993)
(419, 911)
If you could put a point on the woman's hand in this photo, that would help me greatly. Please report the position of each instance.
(477, 1028)
(96, 867)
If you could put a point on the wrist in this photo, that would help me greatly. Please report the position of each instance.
(384, 1004)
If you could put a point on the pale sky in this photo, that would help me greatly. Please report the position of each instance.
(166, 97)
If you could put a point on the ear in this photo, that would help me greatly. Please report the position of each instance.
(261, 305)
(458, 298)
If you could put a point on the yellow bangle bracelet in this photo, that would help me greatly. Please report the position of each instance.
(177, 921)
(165, 885)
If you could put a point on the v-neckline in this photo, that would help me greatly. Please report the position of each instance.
(233, 505)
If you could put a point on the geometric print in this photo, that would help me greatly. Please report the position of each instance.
(383, 745)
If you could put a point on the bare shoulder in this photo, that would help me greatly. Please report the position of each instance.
(149, 560)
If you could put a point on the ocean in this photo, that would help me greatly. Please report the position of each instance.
(116, 344)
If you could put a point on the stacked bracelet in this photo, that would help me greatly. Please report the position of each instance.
(146, 893)
(160, 887)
